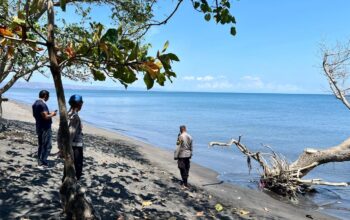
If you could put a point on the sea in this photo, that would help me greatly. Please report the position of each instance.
(287, 123)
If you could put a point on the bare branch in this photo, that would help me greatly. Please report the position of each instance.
(320, 182)
(335, 67)
(148, 26)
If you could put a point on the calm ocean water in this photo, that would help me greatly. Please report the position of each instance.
(287, 123)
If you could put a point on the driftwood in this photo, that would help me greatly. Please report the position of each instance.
(284, 178)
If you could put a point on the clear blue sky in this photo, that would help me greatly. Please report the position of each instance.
(276, 48)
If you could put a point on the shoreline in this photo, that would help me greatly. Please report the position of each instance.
(258, 203)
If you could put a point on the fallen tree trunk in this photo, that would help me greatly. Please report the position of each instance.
(285, 178)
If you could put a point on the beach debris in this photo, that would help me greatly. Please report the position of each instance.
(200, 214)
(219, 207)
(243, 212)
(146, 203)
(266, 209)
(191, 195)
(309, 216)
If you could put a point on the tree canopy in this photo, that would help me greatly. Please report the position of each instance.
(87, 49)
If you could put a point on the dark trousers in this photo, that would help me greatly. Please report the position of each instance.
(184, 166)
(44, 145)
(78, 161)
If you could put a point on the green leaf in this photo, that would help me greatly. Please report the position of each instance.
(196, 5)
(98, 75)
(120, 31)
(110, 36)
(227, 4)
(97, 31)
(161, 79)
(166, 45)
(134, 52)
(148, 81)
(170, 73)
(204, 8)
(207, 17)
(129, 76)
(127, 44)
(63, 4)
(233, 31)
(233, 20)
(173, 57)
(165, 60)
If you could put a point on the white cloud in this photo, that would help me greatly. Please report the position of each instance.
(205, 78)
(257, 84)
(252, 82)
(198, 78)
(215, 85)
(247, 83)
(189, 78)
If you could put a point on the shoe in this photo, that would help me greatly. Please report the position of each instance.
(41, 167)
(47, 166)
(185, 186)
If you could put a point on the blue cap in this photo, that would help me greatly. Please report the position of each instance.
(75, 99)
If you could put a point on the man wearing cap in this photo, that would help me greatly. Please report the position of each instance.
(43, 118)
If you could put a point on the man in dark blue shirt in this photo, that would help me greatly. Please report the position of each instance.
(43, 119)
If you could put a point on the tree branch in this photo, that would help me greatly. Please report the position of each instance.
(333, 83)
(25, 41)
(148, 26)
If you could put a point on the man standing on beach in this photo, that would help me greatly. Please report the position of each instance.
(43, 119)
(183, 154)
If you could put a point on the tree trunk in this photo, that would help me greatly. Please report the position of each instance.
(74, 202)
(312, 158)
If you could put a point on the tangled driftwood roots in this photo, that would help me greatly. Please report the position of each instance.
(284, 178)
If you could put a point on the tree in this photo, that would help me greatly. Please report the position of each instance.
(12, 58)
(284, 178)
(88, 50)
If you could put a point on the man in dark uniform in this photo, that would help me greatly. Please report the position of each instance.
(43, 119)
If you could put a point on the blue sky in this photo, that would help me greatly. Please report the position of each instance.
(276, 48)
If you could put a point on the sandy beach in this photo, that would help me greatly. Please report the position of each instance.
(125, 178)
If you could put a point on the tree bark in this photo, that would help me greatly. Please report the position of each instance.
(72, 196)
(312, 158)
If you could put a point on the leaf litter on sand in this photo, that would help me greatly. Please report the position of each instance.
(146, 203)
(219, 207)
(241, 212)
